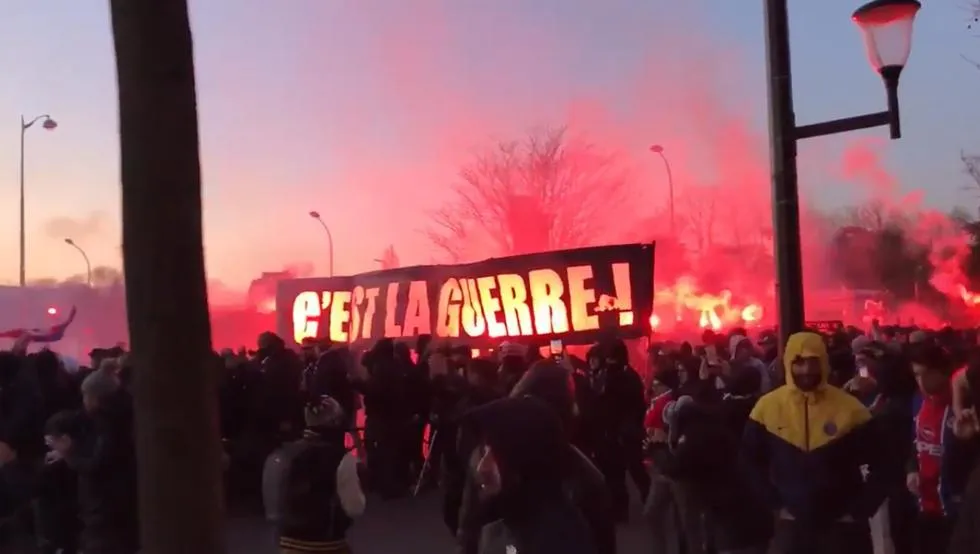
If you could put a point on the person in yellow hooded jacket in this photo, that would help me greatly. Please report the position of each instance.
(814, 455)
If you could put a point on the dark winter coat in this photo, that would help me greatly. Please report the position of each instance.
(105, 459)
(966, 534)
(704, 463)
(528, 442)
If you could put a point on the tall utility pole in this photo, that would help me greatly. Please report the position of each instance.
(785, 189)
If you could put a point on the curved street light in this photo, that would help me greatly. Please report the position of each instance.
(50, 125)
(659, 150)
(88, 264)
(886, 26)
(316, 215)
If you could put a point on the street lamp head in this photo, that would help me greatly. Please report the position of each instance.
(69, 241)
(657, 149)
(887, 29)
(315, 214)
(49, 124)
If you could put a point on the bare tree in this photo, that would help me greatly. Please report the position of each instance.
(972, 24)
(971, 163)
(874, 215)
(178, 442)
(698, 215)
(389, 260)
(547, 192)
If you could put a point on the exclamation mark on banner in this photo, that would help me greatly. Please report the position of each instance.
(624, 293)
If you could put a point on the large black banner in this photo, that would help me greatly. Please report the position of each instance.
(571, 294)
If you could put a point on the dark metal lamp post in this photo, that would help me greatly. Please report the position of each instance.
(50, 125)
(887, 29)
(316, 215)
(659, 150)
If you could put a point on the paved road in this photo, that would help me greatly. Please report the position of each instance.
(409, 526)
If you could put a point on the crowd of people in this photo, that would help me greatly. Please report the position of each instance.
(840, 441)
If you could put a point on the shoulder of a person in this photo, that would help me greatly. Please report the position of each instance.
(843, 399)
(847, 405)
(770, 401)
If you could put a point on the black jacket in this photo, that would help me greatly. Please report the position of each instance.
(528, 442)
(56, 505)
(704, 463)
(455, 472)
(966, 535)
(105, 459)
(21, 410)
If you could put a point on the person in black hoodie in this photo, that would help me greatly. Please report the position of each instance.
(388, 419)
(481, 378)
(279, 399)
(702, 457)
(619, 408)
(329, 378)
(583, 483)
(105, 460)
(519, 467)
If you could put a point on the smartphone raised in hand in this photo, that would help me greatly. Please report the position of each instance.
(556, 349)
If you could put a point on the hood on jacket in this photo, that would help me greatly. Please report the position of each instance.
(614, 349)
(552, 384)
(734, 342)
(527, 440)
(333, 365)
(805, 345)
(746, 378)
(269, 343)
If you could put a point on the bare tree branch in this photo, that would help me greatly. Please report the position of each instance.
(971, 163)
(873, 215)
(547, 192)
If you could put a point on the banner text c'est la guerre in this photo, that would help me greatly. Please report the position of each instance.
(574, 294)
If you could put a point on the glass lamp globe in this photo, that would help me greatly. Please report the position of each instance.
(887, 29)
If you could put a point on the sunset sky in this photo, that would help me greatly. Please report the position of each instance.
(365, 109)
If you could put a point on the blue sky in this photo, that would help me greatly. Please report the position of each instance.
(360, 109)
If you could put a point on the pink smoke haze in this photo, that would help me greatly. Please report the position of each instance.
(371, 129)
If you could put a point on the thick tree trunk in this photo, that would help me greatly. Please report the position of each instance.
(177, 432)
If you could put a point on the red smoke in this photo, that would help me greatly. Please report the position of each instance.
(426, 110)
